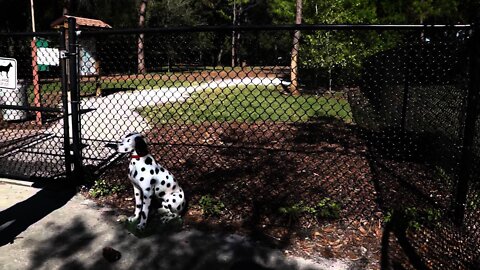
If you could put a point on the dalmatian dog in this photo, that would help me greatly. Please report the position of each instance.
(150, 180)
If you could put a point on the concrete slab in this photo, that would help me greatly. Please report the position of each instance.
(58, 229)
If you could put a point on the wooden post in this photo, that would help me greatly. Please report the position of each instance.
(36, 86)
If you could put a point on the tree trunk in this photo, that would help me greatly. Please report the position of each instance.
(141, 37)
(219, 57)
(66, 7)
(234, 35)
(295, 49)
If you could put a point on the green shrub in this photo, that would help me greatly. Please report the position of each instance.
(211, 206)
(294, 212)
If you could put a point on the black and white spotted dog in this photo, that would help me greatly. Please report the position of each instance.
(150, 180)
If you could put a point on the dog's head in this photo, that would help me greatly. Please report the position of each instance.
(129, 143)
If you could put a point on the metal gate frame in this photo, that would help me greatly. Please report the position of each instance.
(69, 111)
(75, 160)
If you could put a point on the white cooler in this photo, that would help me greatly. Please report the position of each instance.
(16, 97)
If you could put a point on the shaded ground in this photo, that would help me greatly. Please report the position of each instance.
(393, 203)
(54, 228)
(283, 165)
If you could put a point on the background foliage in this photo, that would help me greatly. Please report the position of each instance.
(324, 56)
(124, 13)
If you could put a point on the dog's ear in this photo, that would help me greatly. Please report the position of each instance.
(130, 134)
(141, 146)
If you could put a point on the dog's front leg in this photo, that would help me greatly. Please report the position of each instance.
(147, 200)
(138, 204)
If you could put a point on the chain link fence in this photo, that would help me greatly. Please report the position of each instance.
(378, 125)
(373, 144)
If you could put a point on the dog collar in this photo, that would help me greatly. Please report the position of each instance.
(136, 156)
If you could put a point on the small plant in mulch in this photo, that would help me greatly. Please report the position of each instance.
(412, 218)
(328, 209)
(325, 209)
(154, 226)
(102, 188)
(211, 206)
(295, 211)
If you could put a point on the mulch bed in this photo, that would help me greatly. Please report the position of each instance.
(254, 169)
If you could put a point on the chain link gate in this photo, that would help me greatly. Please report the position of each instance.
(32, 136)
(39, 124)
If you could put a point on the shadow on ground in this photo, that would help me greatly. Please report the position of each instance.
(77, 247)
(415, 189)
(20, 216)
(258, 168)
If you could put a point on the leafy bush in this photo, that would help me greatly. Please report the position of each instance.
(211, 206)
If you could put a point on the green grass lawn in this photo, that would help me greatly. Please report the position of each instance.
(239, 103)
(249, 104)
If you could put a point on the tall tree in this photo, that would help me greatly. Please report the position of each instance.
(295, 51)
(141, 37)
(325, 51)
(239, 8)
(421, 11)
(234, 35)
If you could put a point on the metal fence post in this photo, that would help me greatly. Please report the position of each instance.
(66, 115)
(406, 88)
(471, 116)
(75, 99)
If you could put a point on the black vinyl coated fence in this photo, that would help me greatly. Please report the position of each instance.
(385, 118)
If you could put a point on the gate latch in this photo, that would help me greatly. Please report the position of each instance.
(65, 54)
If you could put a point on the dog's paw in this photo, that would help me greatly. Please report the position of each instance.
(141, 226)
(162, 211)
(132, 219)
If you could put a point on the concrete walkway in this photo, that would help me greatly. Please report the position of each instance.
(115, 115)
(55, 228)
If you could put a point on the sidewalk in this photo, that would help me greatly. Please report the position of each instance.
(58, 229)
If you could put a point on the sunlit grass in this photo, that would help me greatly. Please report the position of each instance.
(249, 104)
